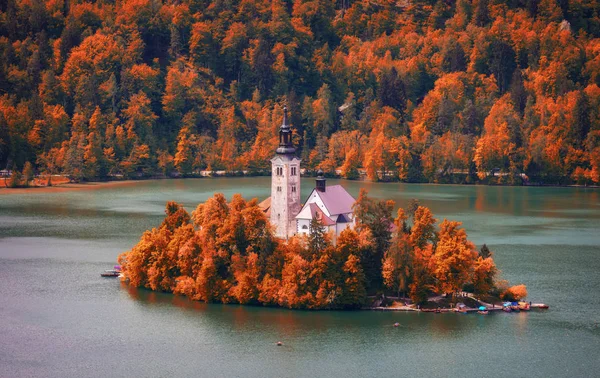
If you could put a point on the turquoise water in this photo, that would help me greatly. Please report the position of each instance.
(58, 318)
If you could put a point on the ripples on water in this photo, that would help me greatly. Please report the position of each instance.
(59, 319)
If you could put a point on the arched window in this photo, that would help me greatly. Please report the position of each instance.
(305, 227)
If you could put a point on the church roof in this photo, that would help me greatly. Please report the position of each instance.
(336, 199)
(286, 147)
(312, 211)
(265, 206)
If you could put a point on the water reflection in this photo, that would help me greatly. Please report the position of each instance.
(361, 327)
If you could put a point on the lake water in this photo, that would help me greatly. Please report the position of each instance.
(58, 318)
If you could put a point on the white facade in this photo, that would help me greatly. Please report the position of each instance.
(285, 194)
(334, 219)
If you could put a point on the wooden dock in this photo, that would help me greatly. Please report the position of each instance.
(463, 310)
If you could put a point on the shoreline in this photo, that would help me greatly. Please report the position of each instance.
(89, 185)
(67, 187)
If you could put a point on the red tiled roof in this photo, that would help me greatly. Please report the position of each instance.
(265, 206)
(320, 215)
(312, 211)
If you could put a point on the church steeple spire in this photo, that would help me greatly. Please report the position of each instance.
(286, 147)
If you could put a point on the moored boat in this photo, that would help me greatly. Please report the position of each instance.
(540, 306)
(524, 306)
(115, 272)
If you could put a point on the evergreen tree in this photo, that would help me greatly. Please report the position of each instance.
(482, 13)
(485, 252)
(391, 91)
(317, 239)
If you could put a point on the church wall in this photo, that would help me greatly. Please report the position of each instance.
(301, 223)
(314, 198)
(339, 227)
(285, 195)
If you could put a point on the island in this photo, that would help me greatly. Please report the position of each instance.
(331, 252)
(226, 252)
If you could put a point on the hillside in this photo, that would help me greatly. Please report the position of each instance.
(434, 91)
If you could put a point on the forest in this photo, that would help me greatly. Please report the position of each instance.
(226, 252)
(467, 91)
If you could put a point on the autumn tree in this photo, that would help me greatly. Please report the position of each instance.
(454, 257)
(397, 264)
(423, 228)
(419, 88)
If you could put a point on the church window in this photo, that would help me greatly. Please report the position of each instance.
(293, 171)
(294, 189)
(279, 188)
(305, 227)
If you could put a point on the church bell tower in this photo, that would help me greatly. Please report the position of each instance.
(285, 183)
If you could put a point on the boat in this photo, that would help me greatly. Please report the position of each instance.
(110, 273)
(540, 306)
(461, 308)
(524, 306)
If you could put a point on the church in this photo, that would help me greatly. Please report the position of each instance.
(330, 205)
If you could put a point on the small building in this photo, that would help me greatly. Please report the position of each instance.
(330, 205)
